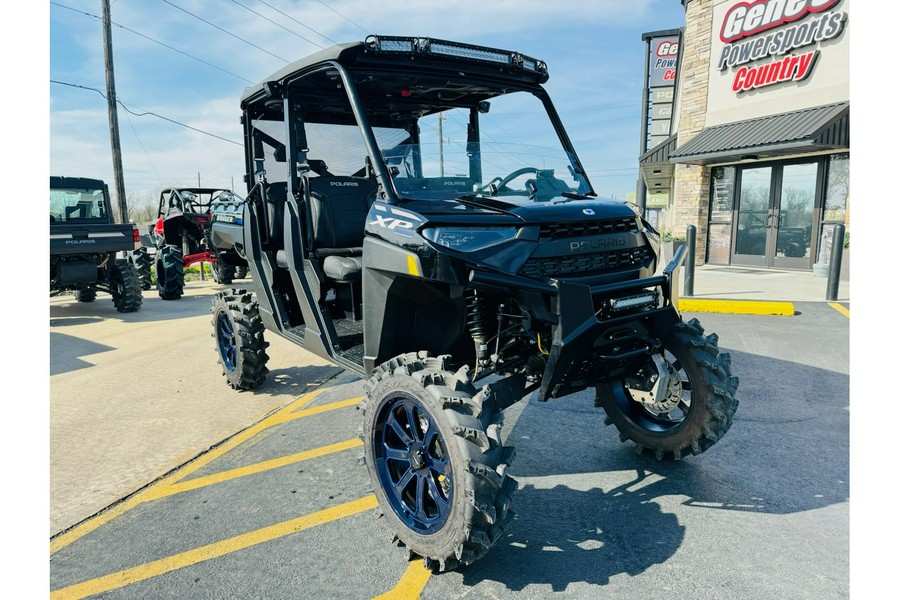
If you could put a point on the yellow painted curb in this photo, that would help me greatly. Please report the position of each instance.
(739, 307)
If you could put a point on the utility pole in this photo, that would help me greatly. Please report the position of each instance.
(113, 114)
(441, 142)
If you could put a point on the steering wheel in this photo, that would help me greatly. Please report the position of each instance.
(501, 183)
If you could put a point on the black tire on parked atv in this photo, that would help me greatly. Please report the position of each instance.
(240, 343)
(437, 464)
(705, 409)
(125, 287)
(169, 273)
(142, 263)
(240, 272)
(86, 294)
(222, 273)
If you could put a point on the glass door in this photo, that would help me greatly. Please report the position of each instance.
(777, 215)
(794, 216)
(754, 216)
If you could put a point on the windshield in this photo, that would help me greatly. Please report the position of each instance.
(77, 204)
(503, 148)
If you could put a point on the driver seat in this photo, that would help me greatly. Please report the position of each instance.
(545, 186)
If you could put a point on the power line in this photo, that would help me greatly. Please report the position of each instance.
(297, 22)
(146, 37)
(343, 17)
(147, 112)
(225, 31)
(291, 31)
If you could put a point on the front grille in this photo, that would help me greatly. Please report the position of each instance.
(585, 264)
(558, 231)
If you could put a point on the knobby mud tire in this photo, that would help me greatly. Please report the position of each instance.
(222, 273)
(240, 272)
(477, 509)
(169, 273)
(712, 399)
(143, 264)
(240, 343)
(125, 287)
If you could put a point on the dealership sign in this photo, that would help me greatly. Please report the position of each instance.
(773, 41)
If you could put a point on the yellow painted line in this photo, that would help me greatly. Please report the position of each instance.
(79, 531)
(740, 307)
(317, 410)
(840, 309)
(199, 482)
(191, 557)
(411, 583)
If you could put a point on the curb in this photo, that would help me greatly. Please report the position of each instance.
(740, 307)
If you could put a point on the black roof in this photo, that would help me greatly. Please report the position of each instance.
(76, 182)
(424, 56)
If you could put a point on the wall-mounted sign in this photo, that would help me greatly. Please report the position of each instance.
(768, 42)
(662, 69)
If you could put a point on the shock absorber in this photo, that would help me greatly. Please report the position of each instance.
(475, 323)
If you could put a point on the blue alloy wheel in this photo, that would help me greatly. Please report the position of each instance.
(226, 341)
(239, 341)
(413, 464)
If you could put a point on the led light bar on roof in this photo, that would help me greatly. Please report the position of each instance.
(471, 52)
(414, 45)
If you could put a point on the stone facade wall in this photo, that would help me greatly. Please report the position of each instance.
(690, 202)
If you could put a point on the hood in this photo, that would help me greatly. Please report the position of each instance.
(555, 210)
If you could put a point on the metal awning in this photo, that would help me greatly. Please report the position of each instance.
(656, 170)
(800, 131)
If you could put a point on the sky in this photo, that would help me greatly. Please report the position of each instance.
(188, 62)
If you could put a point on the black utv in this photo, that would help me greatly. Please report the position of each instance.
(87, 246)
(416, 213)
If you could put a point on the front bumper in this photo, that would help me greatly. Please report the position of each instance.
(593, 342)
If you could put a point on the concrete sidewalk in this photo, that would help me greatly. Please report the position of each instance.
(745, 283)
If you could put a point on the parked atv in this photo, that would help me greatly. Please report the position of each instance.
(180, 239)
(428, 262)
(87, 246)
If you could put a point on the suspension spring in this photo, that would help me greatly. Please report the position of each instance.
(475, 323)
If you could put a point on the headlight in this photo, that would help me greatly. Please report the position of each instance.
(468, 239)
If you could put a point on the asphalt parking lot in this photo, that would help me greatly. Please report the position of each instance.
(281, 507)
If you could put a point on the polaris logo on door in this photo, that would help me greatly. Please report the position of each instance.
(344, 184)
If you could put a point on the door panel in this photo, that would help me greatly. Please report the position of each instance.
(754, 217)
(795, 215)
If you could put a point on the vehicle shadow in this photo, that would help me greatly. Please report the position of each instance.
(66, 352)
(589, 507)
(296, 380)
(66, 311)
(593, 536)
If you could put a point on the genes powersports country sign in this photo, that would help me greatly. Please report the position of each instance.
(768, 42)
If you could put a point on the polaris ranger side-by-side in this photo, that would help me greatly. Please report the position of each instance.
(87, 246)
(417, 214)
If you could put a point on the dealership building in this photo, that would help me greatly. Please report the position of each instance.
(747, 130)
